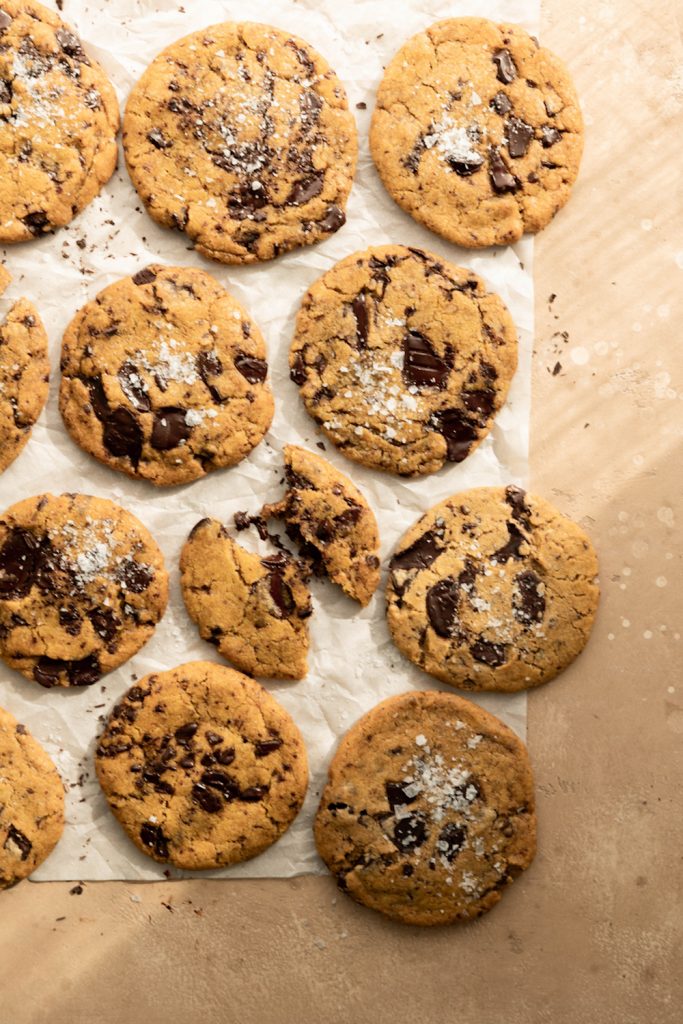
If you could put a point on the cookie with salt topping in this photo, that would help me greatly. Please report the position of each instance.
(477, 131)
(164, 376)
(428, 813)
(240, 135)
(82, 586)
(402, 358)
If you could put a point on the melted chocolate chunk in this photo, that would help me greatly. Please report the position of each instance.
(409, 833)
(47, 671)
(422, 367)
(519, 136)
(71, 44)
(264, 747)
(121, 434)
(281, 593)
(225, 784)
(396, 794)
(345, 520)
(550, 136)
(206, 798)
(298, 370)
(184, 733)
(20, 558)
(253, 369)
(144, 276)
(501, 178)
(105, 623)
(305, 190)
(14, 836)
(359, 309)
(131, 385)
(252, 794)
(419, 555)
(488, 653)
(442, 606)
(528, 605)
(458, 431)
(153, 837)
(224, 755)
(37, 223)
(465, 168)
(451, 840)
(513, 547)
(334, 218)
(209, 365)
(83, 672)
(134, 576)
(516, 499)
(501, 104)
(481, 401)
(158, 139)
(169, 428)
(506, 67)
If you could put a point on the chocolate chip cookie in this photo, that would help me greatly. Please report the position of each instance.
(493, 589)
(24, 375)
(164, 376)
(240, 135)
(477, 132)
(201, 766)
(31, 802)
(254, 609)
(402, 358)
(327, 514)
(82, 586)
(58, 122)
(428, 814)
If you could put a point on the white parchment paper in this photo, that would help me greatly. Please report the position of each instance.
(353, 664)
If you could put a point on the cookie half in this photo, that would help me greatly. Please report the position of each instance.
(253, 609)
(201, 766)
(493, 589)
(240, 135)
(82, 586)
(164, 377)
(58, 122)
(31, 802)
(428, 814)
(24, 377)
(402, 358)
(325, 511)
(477, 132)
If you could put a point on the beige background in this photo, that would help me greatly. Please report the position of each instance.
(593, 932)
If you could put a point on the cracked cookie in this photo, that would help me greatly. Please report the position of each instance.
(477, 132)
(402, 358)
(31, 802)
(164, 377)
(327, 514)
(82, 586)
(201, 766)
(493, 589)
(24, 375)
(58, 123)
(253, 608)
(428, 814)
(240, 135)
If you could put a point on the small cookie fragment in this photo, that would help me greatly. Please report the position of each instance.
(477, 132)
(201, 766)
(5, 279)
(82, 586)
(402, 358)
(326, 511)
(428, 813)
(58, 123)
(493, 589)
(240, 135)
(31, 802)
(164, 377)
(24, 376)
(253, 609)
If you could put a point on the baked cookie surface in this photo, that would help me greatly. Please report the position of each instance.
(201, 766)
(24, 377)
(31, 802)
(402, 358)
(58, 122)
(477, 132)
(240, 135)
(329, 516)
(82, 586)
(164, 376)
(493, 589)
(254, 609)
(428, 813)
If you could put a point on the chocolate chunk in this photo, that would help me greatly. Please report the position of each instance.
(207, 800)
(170, 427)
(134, 576)
(6, 92)
(224, 755)
(14, 836)
(222, 782)
(298, 370)
(410, 832)
(488, 653)
(5, 20)
(281, 594)
(519, 136)
(20, 558)
(501, 103)
(264, 747)
(507, 69)
(212, 738)
(528, 604)
(459, 433)
(396, 794)
(121, 434)
(422, 367)
(305, 190)
(501, 178)
(334, 218)
(252, 794)
(419, 555)
(253, 369)
(153, 837)
(131, 385)
(105, 623)
(360, 311)
(451, 840)
(37, 223)
(158, 139)
(345, 520)
(47, 671)
(512, 548)
(516, 499)
(481, 401)
(442, 606)
(98, 398)
(144, 276)
(70, 43)
(84, 672)
(184, 733)
(209, 365)
(550, 136)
